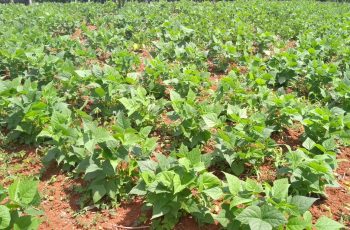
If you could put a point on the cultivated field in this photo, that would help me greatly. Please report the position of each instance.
(228, 115)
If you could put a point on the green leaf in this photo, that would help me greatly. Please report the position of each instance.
(34, 211)
(183, 181)
(26, 223)
(130, 105)
(254, 215)
(178, 187)
(308, 219)
(296, 223)
(211, 120)
(92, 168)
(139, 189)
(319, 167)
(83, 73)
(160, 207)
(234, 184)
(194, 156)
(249, 213)
(280, 189)
(258, 224)
(303, 203)
(329, 144)
(122, 121)
(174, 96)
(272, 216)
(239, 200)
(13, 190)
(308, 144)
(101, 135)
(100, 91)
(5, 217)
(324, 223)
(208, 180)
(147, 165)
(163, 162)
(150, 144)
(166, 178)
(253, 186)
(215, 192)
(98, 192)
(24, 191)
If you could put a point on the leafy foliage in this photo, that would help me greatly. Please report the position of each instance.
(18, 205)
(181, 103)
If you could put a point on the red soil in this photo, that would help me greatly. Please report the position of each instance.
(337, 204)
(267, 173)
(61, 206)
(289, 137)
(289, 45)
(78, 36)
(189, 223)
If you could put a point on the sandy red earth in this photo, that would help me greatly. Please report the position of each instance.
(60, 201)
(337, 204)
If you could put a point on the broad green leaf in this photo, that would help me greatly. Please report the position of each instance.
(34, 211)
(303, 203)
(308, 219)
(93, 168)
(27, 223)
(329, 144)
(5, 217)
(239, 200)
(234, 184)
(308, 144)
(280, 189)
(98, 192)
(83, 73)
(100, 92)
(208, 180)
(324, 223)
(215, 193)
(163, 162)
(183, 181)
(296, 223)
(130, 105)
(258, 224)
(123, 121)
(266, 213)
(166, 178)
(147, 165)
(211, 120)
(253, 186)
(249, 213)
(24, 191)
(194, 156)
(160, 207)
(174, 96)
(139, 189)
(272, 216)
(319, 167)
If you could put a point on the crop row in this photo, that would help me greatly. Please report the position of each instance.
(182, 103)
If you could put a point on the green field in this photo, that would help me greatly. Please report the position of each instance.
(236, 113)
